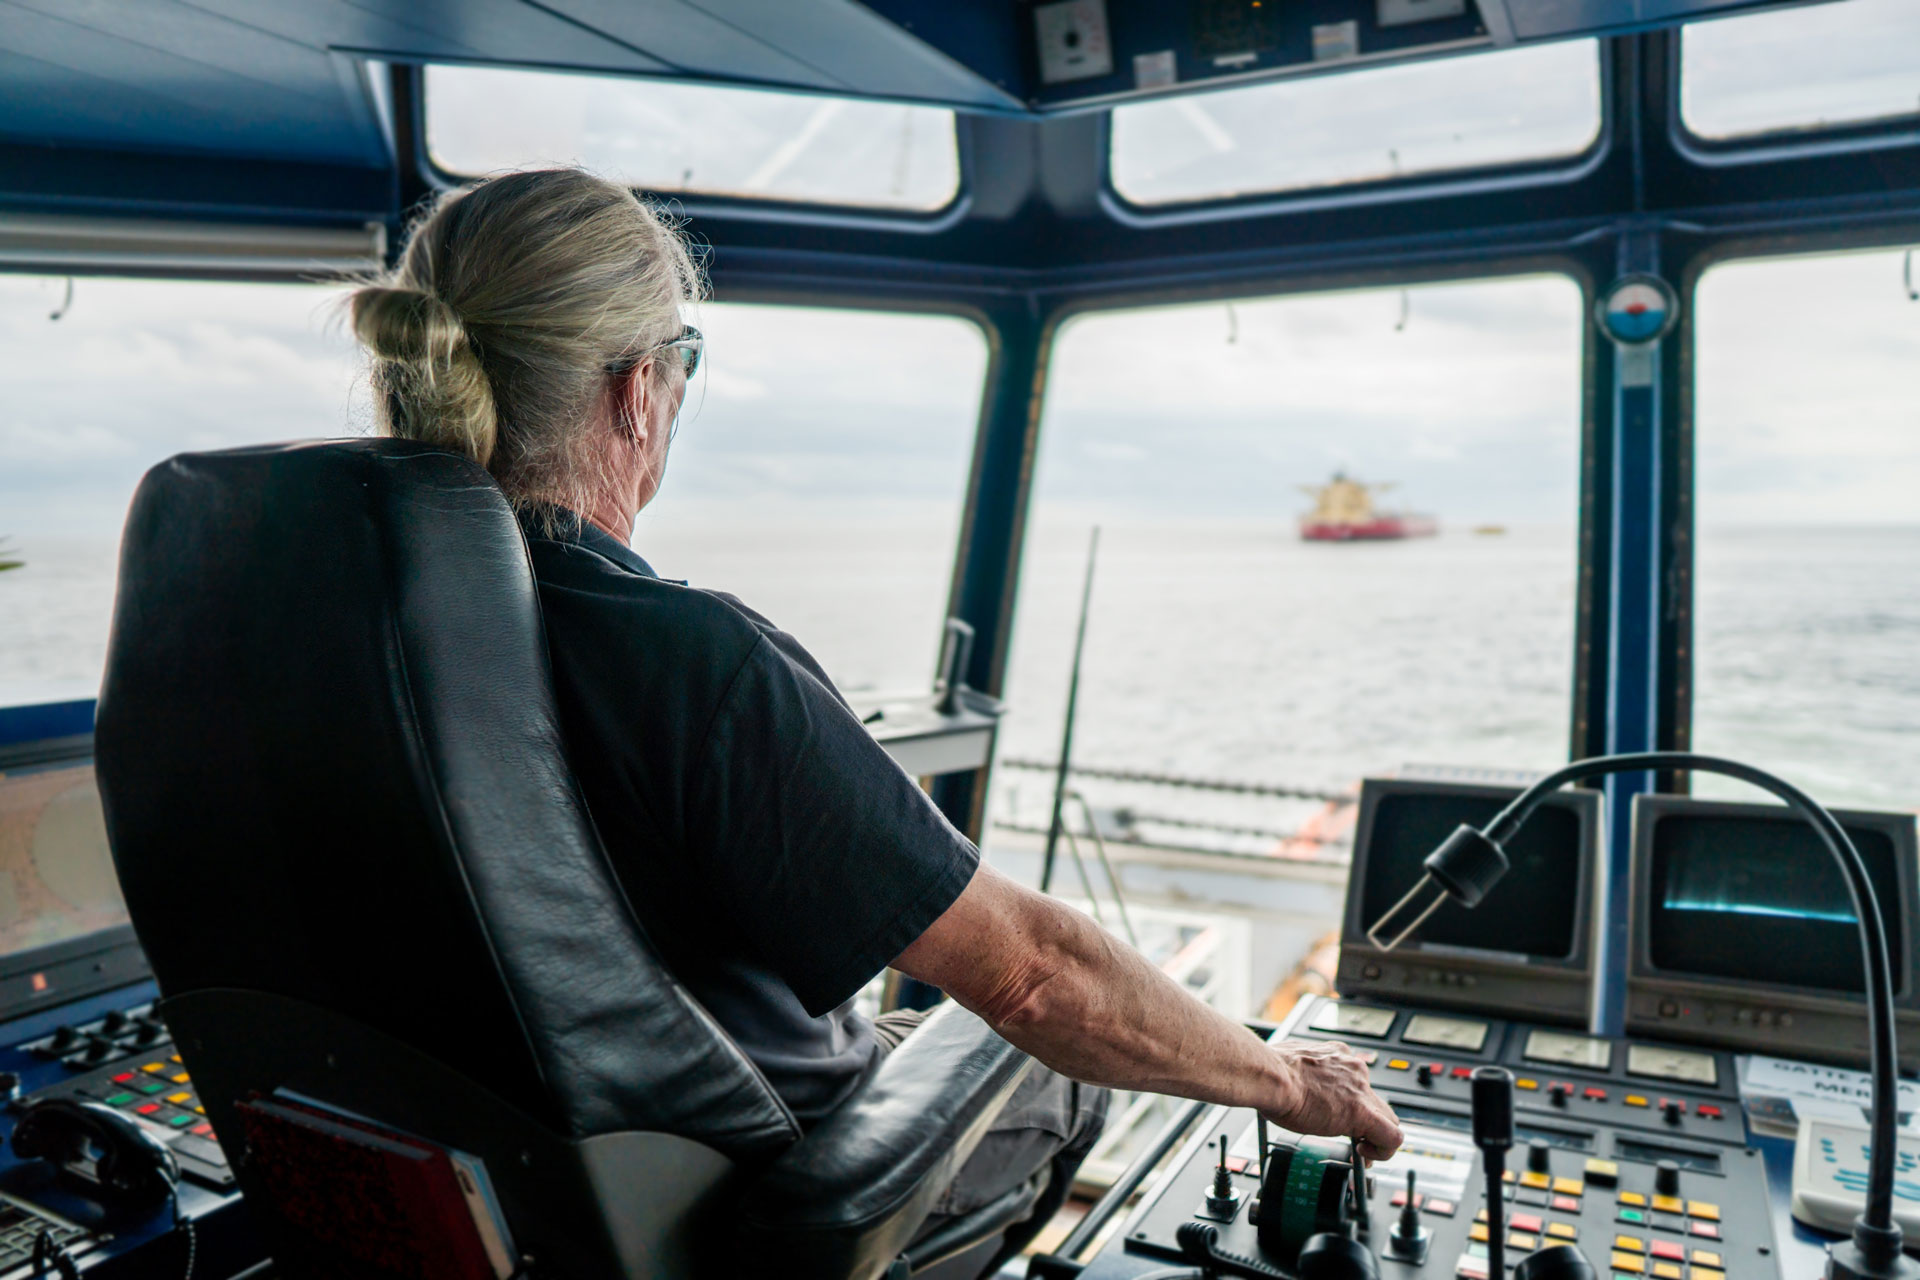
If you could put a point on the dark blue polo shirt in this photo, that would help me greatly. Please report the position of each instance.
(777, 856)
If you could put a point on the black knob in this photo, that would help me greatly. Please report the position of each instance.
(1555, 1262)
(1666, 1178)
(1425, 1073)
(1537, 1155)
(148, 1032)
(97, 1050)
(1492, 1095)
(1331, 1256)
(1670, 1107)
(9, 1085)
(1559, 1093)
(115, 1021)
(63, 1037)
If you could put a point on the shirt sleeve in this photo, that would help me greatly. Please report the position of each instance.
(816, 845)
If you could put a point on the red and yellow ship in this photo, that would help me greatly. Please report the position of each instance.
(1343, 511)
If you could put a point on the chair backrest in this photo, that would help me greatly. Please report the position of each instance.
(333, 772)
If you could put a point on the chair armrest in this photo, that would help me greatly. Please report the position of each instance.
(846, 1199)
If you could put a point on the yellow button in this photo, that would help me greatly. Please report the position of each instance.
(1398, 1064)
(180, 1077)
(1636, 1100)
(1666, 1270)
(1569, 1187)
(1480, 1216)
(1524, 1083)
(1539, 1181)
(1707, 1258)
(1633, 1199)
(1704, 1273)
(177, 1098)
(1629, 1262)
(1701, 1209)
(1507, 1176)
(1563, 1231)
(1604, 1172)
(1668, 1204)
(1478, 1232)
(200, 1111)
(158, 1068)
(1630, 1244)
(1521, 1240)
(174, 1058)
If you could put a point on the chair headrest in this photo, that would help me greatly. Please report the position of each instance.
(333, 770)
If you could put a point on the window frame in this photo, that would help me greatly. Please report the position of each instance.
(1680, 687)
(1472, 181)
(703, 204)
(1773, 145)
(1586, 716)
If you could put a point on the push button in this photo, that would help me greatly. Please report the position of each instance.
(1522, 1240)
(1706, 1273)
(1668, 1204)
(177, 1098)
(1525, 1222)
(1535, 1179)
(147, 1108)
(1666, 1271)
(1525, 1082)
(1593, 1094)
(1398, 1064)
(1633, 1199)
(1669, 1250)
(180, 1077)
(1569, 1187)
(1701, 1209)
(1708, 1110)
(1710, 1231)
(1602, 1173)
(1442, 1207)
(1564, 1204)
(1635, 1100)
(1707, 1258)
(1478, 1231)
(120, 1099)
(1630, 1244)
(1462, 1073)
(1632, 1263)
(1634, 1217)
(1563, 1231)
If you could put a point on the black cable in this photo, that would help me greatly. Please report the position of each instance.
(1882, 1234)
(48, 1252)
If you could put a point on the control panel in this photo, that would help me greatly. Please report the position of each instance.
(1633, 1153)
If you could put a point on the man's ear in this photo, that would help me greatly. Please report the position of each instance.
(632, 391)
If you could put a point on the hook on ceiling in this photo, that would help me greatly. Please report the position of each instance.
(1906, 277)
(66, 302)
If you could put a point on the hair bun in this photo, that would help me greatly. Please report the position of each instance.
(406, 325)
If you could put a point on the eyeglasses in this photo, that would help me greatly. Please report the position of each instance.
(689, 344)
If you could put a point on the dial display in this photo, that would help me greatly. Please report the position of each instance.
(1681, 1065)
(1352, 1019)
(1446, 1033)
(1569, 1051)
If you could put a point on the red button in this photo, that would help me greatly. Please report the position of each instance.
(1598, 1095)
(1461, 1073)
(1400, 1199)
(147, 1108)
(1437, 1068)
(1564, 1204)
(1710, 1112)
(1442, 1207)
(123, 1077)
(1707, 1229)
(1525, 1222)
(1236, 1164)
(1668, 1249)
(206, 1130)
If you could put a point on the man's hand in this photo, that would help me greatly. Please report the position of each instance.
(1331, 1096)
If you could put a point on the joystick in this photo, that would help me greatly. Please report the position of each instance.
(1358, 1211)
(1555, 1262)
(1492, 1096)
(1334, 1255)
(1409, 1241)
(1222, 1200)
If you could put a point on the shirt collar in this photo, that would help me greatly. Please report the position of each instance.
(578, 531)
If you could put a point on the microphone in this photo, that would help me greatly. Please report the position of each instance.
(1469, 862)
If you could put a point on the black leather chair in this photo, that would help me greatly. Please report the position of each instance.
(347, 831)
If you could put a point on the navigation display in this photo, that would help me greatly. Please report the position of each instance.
(1760, 899)
(1531, 913)
(57, 880)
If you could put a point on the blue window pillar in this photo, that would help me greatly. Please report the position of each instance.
(1635, 313)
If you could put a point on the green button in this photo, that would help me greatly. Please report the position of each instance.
(150, 1086)
(179, 1121)
(119, 1099)
(1635, 1216)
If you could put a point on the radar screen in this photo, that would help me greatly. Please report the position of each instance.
(57, 880)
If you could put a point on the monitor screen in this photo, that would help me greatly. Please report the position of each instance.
(1759, 899)
(57, 880)
(1533, 910)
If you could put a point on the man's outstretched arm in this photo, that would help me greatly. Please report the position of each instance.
(1066, 991)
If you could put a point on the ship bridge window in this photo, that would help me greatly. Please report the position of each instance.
(1852, 62)
(669, 137)
(1337, 537)
(1475, 111)
(1806, 599)
(104, 379)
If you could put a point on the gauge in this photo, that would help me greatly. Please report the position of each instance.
(1446, 1033)
(1569, 1051)
(1352, 1019)
(1681, 1065)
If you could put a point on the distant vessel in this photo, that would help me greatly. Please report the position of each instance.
(7, 561)
(1343, 511)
